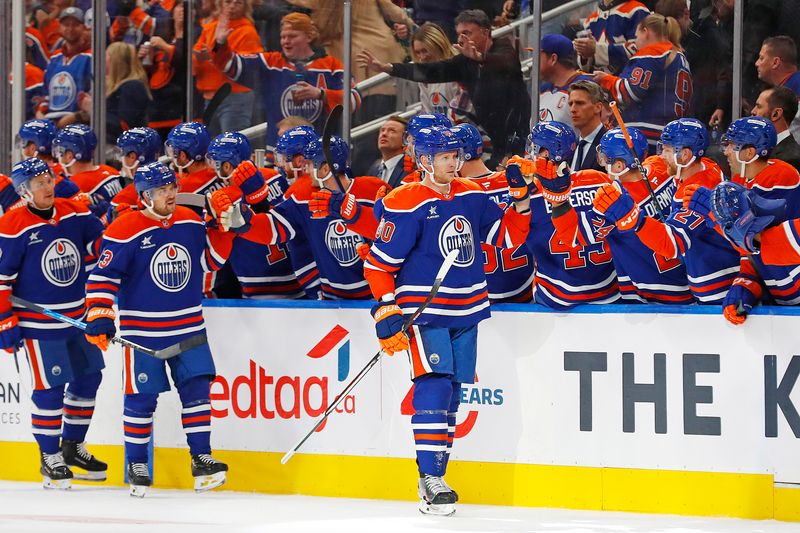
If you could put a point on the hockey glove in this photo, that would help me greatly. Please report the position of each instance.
(526, 166)
(325, 203)
(518, 188)
(100, 326)
(617, 206)
(743, 214)
(10, 335)
(555, 182)
(231, 216)
(742, 296)
(389, 327)
(251, 182)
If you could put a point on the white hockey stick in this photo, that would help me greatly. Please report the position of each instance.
(443, 270)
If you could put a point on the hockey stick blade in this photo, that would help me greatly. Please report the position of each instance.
(443, 270)
(330, 124)
(165, 353)
(629, 142)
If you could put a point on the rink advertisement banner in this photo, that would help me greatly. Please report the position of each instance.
(637, 389)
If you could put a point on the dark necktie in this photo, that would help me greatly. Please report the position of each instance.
(579, 157)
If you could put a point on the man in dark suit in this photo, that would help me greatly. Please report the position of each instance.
(779, 105)
(391, 143)
(586, 107)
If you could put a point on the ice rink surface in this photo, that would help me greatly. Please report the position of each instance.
(26, 508)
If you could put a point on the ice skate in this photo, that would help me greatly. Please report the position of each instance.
(55, 472)
(138, 479)
(436, 497)
(208, 472)
(85, 466)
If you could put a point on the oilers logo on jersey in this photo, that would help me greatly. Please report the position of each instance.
(456, 234)
(60, 263)
(342, 242)
(171, 267)
(62, 91)
(308, 109)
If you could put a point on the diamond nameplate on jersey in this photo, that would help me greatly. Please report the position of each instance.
(61, 263)
(308, 109)
(456, 234)
(342, 243)
(171, 267)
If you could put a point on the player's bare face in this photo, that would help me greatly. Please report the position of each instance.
(42, 189)
(668, 155)
(295, 44)
(29, 150)
(444, 167)
(164, 199)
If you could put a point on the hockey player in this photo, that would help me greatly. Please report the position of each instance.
(136, 147)
(46, 246)
(420, 224)
(748, 143)
(644, 276)
(74, 147)
(656, 84)
(415, 124)
(509, 271)
(571, 268)
(298, 80)
(152, 262)
(186, 146)
(711, 263)
(263, 271)
(333, 244)
(289, 151)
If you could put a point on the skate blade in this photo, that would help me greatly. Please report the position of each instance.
(88, 476)
(57, 484)
(138, 491)
(446, 509)
(204, 483)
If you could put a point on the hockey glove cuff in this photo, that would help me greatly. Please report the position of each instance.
(743, 295)
(100, 326)
(555, 182)
(518, 188)
(10, 335)
(389, 327)
(251, 182)
(618, 207)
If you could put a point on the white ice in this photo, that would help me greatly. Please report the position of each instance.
(26, 508)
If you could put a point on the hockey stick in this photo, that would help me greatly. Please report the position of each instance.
(629, 142)
(330, 123)
(443, 270)
(221, 94)
(164, 353)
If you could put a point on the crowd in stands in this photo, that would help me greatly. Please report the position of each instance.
(666, 65)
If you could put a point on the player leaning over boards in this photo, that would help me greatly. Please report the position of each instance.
(420, 223)
(153, 262)
(46, 246)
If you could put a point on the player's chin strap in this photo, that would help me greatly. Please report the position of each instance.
(430, 172)
(617, 175)
(65, 166)
(149, 207)
(681, 167)
(180, 167)
(129, 170)
(320, 181)
(744, 164)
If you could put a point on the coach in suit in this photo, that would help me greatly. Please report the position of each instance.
(779, 105)
(391, 137)
(586, 108)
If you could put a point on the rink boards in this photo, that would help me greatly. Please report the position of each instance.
(632, 408)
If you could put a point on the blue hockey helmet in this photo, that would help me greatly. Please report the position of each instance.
(685, 133)
(426, 120)
(152, 176)
(189, 137)
(26, 170)
(437, 140)
(471, 140)
(340, 152)
(144, 142)
(613, 147)
(228, 147)
(294, 141)
(757, 132)
(76, 138)
(40, 132)
(555, 137)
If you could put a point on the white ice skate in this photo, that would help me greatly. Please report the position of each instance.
(55, 472)
(208, 473)
(436, 497)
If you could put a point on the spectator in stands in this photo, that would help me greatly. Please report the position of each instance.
(34, 89)
(557, 71)
(132, 25)
(234, 19)
(295, 81)
(777, 63)
(74, 61)
(677, 9)
(656, 85)
(491, 74)
(611, 38)
(428, 45)
(391, 144)
(45, 18)
(586, 101)
(291, 122)
(779, 106)
(127, 92)
(443, 14)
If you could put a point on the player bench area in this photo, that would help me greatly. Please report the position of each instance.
(648, 409)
